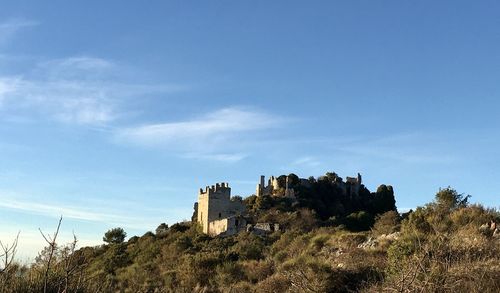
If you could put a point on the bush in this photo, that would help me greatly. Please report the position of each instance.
(275, 283)
(387, 223)
(311, 274)
(256, 271)
(359, 221)
(248, 246)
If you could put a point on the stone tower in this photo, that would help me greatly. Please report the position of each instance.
(262, 189)
(214, 203)
(289, 192)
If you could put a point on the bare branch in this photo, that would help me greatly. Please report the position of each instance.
(52, 245)
(8, 253)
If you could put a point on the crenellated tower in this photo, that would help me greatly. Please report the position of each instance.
(215, 205)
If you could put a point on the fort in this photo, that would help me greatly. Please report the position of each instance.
(220, 214)
(217, 212)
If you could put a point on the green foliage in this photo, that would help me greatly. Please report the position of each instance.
(263, 202)
(441, 247)
(329, 200)
(179, 227)
(115, 236)
(229, 273)
(250, 203)
(115, 257)
(449, 199)
(309, 274)
(398, 254)
(248, 246)
(360, 221)
(386, 223)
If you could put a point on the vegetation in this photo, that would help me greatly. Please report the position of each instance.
(328, 244)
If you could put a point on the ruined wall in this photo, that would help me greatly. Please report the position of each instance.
(353, 184)
(217, 227)
(272, 185)
(227, 226)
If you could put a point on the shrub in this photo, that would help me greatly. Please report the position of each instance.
(359, 221)
(386, 223)
(256, 271)
(319, 241)
(275, 283)
(309, 274)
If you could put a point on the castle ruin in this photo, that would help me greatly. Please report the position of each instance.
(217, 212)
(220, 214)
(272, 186)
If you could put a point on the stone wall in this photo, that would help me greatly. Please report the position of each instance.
(227, 226)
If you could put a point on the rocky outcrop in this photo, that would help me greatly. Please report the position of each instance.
(374, 242)
(263, 228)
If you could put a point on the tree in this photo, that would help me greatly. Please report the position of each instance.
(162, 230)
(115, 236)
(331, 176)
(449, 198)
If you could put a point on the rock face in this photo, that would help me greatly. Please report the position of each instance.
(372, 243)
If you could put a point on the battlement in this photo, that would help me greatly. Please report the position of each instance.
(217, 188)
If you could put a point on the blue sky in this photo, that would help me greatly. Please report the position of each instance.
(114, 114)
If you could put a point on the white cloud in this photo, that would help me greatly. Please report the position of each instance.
(307, 162)
(7, 86)
(10, 27)
(55, 210)
(80, 90)
(228, 158)
(204, 136)
(67, 101)
(79, 62)
(107, 213)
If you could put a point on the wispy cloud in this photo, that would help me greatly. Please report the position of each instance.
(54, 210)
(10, 27)
(7, 86)
(80, 90)
(213, 126)
(205, 136)
(72, 64)
(306, 161)
(228, 158)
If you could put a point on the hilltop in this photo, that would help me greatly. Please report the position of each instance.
(288, 201)
(320, 234)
